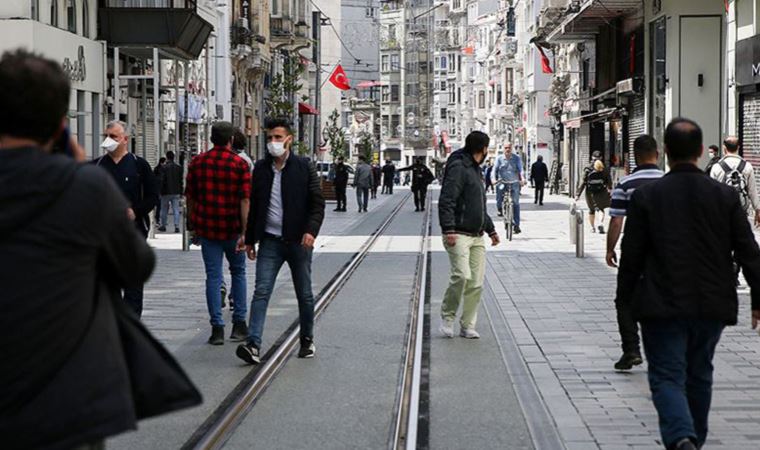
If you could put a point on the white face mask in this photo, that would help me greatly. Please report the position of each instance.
(276, 149)
(109, 145)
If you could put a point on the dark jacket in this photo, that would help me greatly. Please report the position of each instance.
(421, 175)
(462, 203)
(713, 161)
(341, 175)
(65, 243)
(171, 179)
(363, 177)
(302, 200)
(377, 173)
(677, 249)
(389, 172)
(137, 182)
(539, 173)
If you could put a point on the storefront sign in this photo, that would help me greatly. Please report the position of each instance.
(748, 61)
(76, 70)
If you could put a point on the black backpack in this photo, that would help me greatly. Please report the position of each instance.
(595, 182)
(735, 179)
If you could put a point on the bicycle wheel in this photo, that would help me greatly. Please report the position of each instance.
(508, 216)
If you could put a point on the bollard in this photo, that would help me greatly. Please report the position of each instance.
(579, 239)
(183, 226)
(573, 223)
(152, 224)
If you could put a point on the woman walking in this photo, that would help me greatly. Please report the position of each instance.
(597, 184)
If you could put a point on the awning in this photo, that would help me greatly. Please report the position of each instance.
(574, 122)
(306, 109)
(585, 23)
(368, 84)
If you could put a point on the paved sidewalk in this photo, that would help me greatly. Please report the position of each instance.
(561, 313)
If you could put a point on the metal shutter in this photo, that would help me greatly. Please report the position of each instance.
(750, 129)
(636, 124)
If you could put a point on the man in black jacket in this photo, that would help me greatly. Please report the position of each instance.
(171, 189)
(66, 240)
(389, 175)
(287, 209)
(464, 218)
(421, 178)
(676, 272)
(340, 183)
(539, 173)
(137, 182)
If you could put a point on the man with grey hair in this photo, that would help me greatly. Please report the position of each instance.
(137, 182)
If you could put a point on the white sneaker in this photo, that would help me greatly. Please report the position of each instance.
(447, 328)
(469, 333)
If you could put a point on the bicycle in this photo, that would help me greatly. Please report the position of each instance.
(507, 207)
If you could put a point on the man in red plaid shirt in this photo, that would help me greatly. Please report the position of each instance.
(218, 191)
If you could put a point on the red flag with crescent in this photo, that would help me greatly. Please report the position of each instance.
(339, 79)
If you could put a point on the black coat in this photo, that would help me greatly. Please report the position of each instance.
(462, 203)
(341, 175)
(539, 173)
(421, 175)
(171, 179)
(680, 235)
(302, 200)
(65, 243)
(389, 172)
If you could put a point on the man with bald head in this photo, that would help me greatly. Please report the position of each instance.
(139, 185)
(734, 163)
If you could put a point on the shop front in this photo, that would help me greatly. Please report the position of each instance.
(81, 58)
(748, 86)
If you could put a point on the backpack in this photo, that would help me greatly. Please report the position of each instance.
(595, 182)
(735, 179)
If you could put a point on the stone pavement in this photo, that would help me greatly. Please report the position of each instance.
(561, 315)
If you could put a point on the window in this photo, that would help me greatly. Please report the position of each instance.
(274, 7)
(443, 113)
(443, 85)
(384, 63)
(392, 32)
(498, 94)
(386, 122)
(71, 15)
(443, 62)
(395, 123)
(437, 62)
(452, 63)
(394, 92)
(509, 83)
(423, 66)
(54, 13)
(386, 95)
(35, 11)
(369, 11)
(584, 74)
(482, 99)
(452, 93)
(395, 63)
(86, 18)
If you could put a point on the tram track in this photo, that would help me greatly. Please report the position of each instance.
(221, 425)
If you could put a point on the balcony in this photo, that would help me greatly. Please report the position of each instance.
(175, 26)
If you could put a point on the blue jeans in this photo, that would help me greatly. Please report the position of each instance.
(362, 196)
(501, 189)
(270, 257)
(166, 200)
(679, 353)
(213, 251)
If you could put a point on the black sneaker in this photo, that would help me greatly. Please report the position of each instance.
(337, 209)
(239, 331)
(517, 230)
(685, 444)
(601, 229)
(176, 229)
(248, 353)
(217, 336)
(628, 360)
(307, 348)
(161, 228)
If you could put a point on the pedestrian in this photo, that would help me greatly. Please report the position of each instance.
(676, 276)
(284, 222)
(218, 190)
(539, 173)
(239, 146)
(464, 219)
(508, 168)
(714, 152)
(597, 184)
(138, 183)
(78, 366)
(740, 175)
(421, 178)
(340, 183)
(646, 155)
(171, 189)
(389, 174)
(377, 173)
(158, 172)
(362, 183)
(487, 176)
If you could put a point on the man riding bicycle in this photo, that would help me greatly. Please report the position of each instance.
(508, 169)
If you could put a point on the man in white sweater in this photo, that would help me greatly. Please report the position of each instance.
(732, 162)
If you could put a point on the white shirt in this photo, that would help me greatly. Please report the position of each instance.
(733, 161)
(274, 213)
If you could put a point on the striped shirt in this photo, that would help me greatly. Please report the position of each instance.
(622, 193)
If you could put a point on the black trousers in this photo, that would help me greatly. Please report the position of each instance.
(539, 198)
(134, 298)
(340, 196)
(388, 188)
(373, 191)
(420, 192)
(629, 329)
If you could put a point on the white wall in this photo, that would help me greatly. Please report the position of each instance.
(331, 53)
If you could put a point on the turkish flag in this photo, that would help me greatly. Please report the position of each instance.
(546, 66)
(339, 79)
